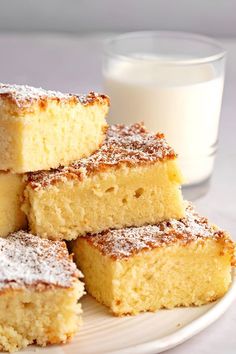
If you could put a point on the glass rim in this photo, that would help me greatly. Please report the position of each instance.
(166, 34)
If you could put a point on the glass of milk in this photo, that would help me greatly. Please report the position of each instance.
(173, 82)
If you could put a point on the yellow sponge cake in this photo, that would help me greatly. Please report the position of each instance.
(133, 179)
(11, 191)
(39, 291)
(174, 263)
(42, 129)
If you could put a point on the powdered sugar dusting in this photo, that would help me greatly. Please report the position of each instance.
(26, 259)
(130, 145)
(125, 242)
(23, 95)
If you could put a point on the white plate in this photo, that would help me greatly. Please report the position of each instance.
(146, 333)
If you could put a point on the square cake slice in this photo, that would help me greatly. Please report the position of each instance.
(42, 129)
(39, 290)
(132, 180)
(12, 217)
(174, 263)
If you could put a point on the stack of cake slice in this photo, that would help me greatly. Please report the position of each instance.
(42, 130)
(39, 283)
(114, 192)
(140, 246)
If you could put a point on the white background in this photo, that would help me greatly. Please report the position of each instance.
(212, 17)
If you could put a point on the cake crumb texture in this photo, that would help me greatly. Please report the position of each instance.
(12, 217)
(49, 316)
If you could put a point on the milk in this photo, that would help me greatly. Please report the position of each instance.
(181, 101)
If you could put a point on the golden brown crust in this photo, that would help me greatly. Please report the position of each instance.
(124, 145)
(123, 243)
(37, 286)
(22, 98)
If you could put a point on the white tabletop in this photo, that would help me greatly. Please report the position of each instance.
(73, 64)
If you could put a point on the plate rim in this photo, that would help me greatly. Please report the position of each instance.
(188, 331)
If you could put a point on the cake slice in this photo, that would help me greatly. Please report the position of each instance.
(11, 191)
(39, 290)
(175, 263)
(133, 179)
(42, 129)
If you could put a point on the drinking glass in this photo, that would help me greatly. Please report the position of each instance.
(173, 82)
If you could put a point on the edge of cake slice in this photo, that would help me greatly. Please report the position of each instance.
(12, 217)
(174, 263)
(132, 180)
(39, 291)
(42, 129)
